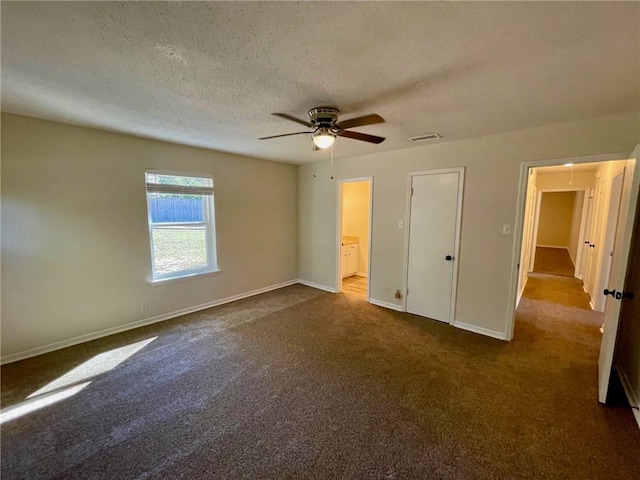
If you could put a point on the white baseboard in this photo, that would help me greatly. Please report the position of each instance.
(317, 285)
(552, 246)
(32, 352)
(632, 397)
(391, 306)
(481, 331)
(591, 304)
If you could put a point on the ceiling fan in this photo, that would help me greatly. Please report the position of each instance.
(325, 125)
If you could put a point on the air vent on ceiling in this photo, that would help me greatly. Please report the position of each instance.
(425, 138)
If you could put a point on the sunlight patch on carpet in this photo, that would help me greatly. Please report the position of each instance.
(93, 367)
(30, 406)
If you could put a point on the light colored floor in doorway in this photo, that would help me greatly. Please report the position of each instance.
(355, 286)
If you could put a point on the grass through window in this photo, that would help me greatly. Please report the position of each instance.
(179, 249)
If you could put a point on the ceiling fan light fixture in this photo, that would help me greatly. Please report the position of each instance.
(323, 138)
(325, 127)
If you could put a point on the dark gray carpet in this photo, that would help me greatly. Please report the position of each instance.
(300, 384)
(555, 261)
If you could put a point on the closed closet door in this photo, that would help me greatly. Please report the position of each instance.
(432, 242)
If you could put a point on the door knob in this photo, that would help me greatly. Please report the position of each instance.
(619, 295)
(448, 258)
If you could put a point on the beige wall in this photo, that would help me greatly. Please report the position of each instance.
(580, 179)
(355, 218)
(75, 244)
(607, 169)
(491, 188)
(555, 219)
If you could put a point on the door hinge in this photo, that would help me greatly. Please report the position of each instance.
(407, 294)
(412, 191)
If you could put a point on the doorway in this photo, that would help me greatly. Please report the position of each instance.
(354, 236)
(559, 230)
(569, 225)
(607, 240)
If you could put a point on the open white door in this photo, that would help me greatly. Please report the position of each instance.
(609, 239)
(614, 292)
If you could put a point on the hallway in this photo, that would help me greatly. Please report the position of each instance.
(556, 308)
(554, 261)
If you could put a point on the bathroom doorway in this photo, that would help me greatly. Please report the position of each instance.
(354, 236)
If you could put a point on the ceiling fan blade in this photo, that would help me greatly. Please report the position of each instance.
(360, 136)
(361, 121)
(284, 135)
(293, 119)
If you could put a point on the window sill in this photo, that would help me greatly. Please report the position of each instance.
(164, 281)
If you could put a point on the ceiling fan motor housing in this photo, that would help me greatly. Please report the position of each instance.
(324, 116)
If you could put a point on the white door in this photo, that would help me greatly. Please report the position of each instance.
(344, 257)
(590, 281)
(433, 233)
(622, 247)
(609, 238)
(527, 236)
(585, 251)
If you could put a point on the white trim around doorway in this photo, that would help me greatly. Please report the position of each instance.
(338, 279)
(519, 221)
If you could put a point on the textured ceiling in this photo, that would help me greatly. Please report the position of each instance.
(209, 74)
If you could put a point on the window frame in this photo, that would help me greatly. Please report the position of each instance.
(207, 223)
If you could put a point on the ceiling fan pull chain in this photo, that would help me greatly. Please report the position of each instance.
(332, 161)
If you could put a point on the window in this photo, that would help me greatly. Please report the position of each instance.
(181, 225)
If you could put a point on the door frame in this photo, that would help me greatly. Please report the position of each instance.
(536, 224)
(456, 248)
(519, 221)
(340, 183)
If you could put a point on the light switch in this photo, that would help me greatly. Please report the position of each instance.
(506, 229)
(400, 223)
